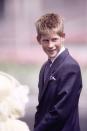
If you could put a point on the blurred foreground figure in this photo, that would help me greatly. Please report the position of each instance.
(13, 98)
(60, 81)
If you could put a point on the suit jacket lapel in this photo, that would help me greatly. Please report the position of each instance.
(53, 69)
(41, 81)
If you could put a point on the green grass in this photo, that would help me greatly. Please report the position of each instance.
(25, 73)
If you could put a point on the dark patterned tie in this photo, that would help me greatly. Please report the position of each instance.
(47, 68)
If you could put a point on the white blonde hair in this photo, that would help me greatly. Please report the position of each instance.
(13, 97)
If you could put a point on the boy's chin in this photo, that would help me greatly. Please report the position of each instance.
(51, 56)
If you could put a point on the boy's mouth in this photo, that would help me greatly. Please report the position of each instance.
(51, 51)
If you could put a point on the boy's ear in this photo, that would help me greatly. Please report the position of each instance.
(63, 35)
(38, 38)
(62, 39)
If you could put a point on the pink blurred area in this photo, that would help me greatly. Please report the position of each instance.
(18, 43)
(18, 35)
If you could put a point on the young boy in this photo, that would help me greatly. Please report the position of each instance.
(60, 83)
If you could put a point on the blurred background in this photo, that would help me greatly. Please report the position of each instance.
(21, 55)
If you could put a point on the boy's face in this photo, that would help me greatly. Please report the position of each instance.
(51, 44)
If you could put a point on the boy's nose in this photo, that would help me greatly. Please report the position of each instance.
(50, 44)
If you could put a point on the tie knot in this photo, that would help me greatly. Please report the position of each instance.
(49, 62)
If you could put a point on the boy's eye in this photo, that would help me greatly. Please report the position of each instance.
(45, 40)
(54, 39)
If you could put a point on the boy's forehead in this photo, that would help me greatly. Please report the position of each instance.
(52, 32)
(50, 35)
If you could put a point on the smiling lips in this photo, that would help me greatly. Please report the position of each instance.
(51, 51)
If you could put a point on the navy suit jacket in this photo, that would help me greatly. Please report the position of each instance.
(59, 96)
